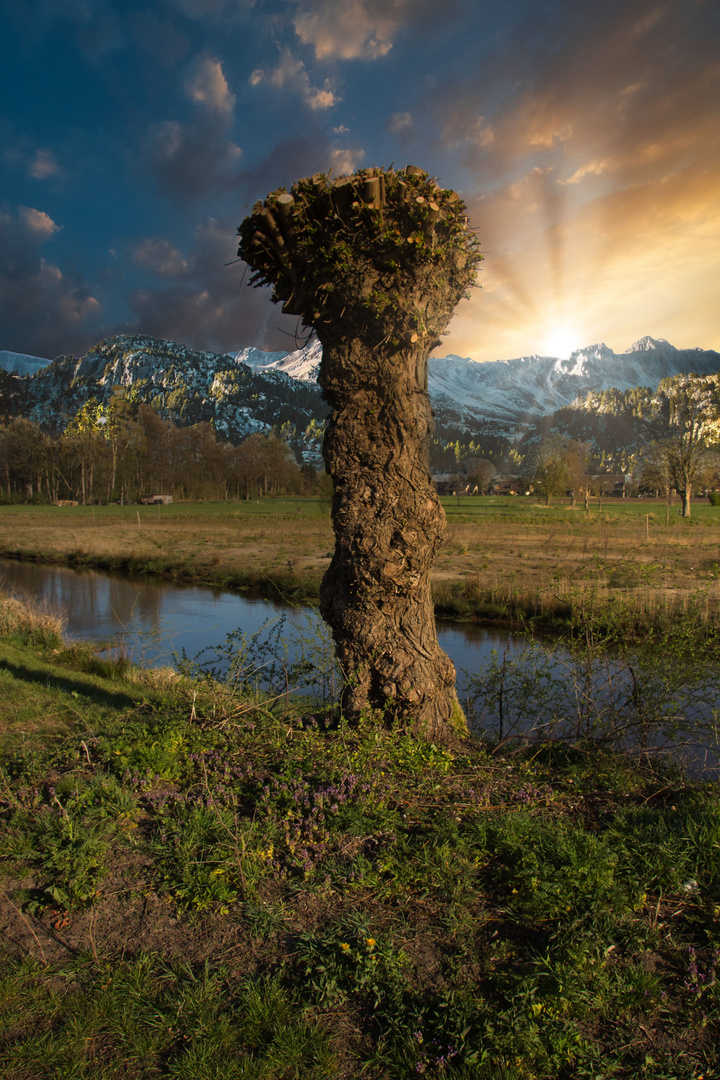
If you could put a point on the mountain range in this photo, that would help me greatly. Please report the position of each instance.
(504, 395)
(250, 390)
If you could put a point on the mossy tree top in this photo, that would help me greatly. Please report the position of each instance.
(388, 253)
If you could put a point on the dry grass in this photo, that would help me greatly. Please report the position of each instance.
(24, 617)
(500, 559)
(540, 563)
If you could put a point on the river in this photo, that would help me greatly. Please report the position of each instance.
(154, 620)
(538, 688)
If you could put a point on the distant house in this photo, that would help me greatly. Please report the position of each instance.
(156, 500)
(506, 485)
(448, 483)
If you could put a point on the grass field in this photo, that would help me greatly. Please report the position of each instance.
(504, 558)
(201, 886)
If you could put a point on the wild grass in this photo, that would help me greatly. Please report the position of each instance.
(197, 885)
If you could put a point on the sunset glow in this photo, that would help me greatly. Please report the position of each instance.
(561, 342)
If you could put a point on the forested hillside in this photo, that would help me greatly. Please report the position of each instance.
(625, 421)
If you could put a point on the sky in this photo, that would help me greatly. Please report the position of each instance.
(583, 136)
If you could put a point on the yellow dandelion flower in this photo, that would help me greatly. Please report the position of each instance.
(344, 947)
(370, 942)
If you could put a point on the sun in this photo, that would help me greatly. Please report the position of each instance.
(561, 341)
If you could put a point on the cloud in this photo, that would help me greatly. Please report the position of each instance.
(210, 307)
(349, 29)
(290, 73)
(159, 256)
(43, 165)
(40, 305)
(362, 29)
(292, 159)
(611, 266)
(286, 162)
(76, 304)
(345, 162)
(590, 173)
(399, 122)
(632, 88)
(193, 160)
(206, 83)
(37, 222)
(592, 168)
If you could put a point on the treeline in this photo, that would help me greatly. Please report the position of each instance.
(120, 453)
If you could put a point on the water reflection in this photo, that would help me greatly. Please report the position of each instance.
(156, 619)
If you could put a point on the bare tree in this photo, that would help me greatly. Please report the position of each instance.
(376, 263)
(480, 472)
(547, 469)
(577, 462)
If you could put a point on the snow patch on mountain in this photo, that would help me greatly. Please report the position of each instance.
(21, 363)
(302, 364)
(188, 386)
(252, 390)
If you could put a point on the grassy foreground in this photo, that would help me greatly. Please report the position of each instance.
(505, 559)
(196, 885)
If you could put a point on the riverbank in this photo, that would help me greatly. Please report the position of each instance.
(196, 884)
(505, 560)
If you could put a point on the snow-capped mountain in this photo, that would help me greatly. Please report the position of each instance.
(506, 393)
(303, 364)
(251, 390)
(21, 363)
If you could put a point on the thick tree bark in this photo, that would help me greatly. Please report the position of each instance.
(376, 263)
(388, 525)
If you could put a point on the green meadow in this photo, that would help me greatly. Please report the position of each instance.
(199, 882)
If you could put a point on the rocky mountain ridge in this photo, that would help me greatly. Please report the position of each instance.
(187, 386)
(21, 363)
(251, 390)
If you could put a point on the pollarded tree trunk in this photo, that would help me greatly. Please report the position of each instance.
(376, 263)
(388, 525)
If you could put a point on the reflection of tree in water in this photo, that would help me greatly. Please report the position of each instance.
(136, 602)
